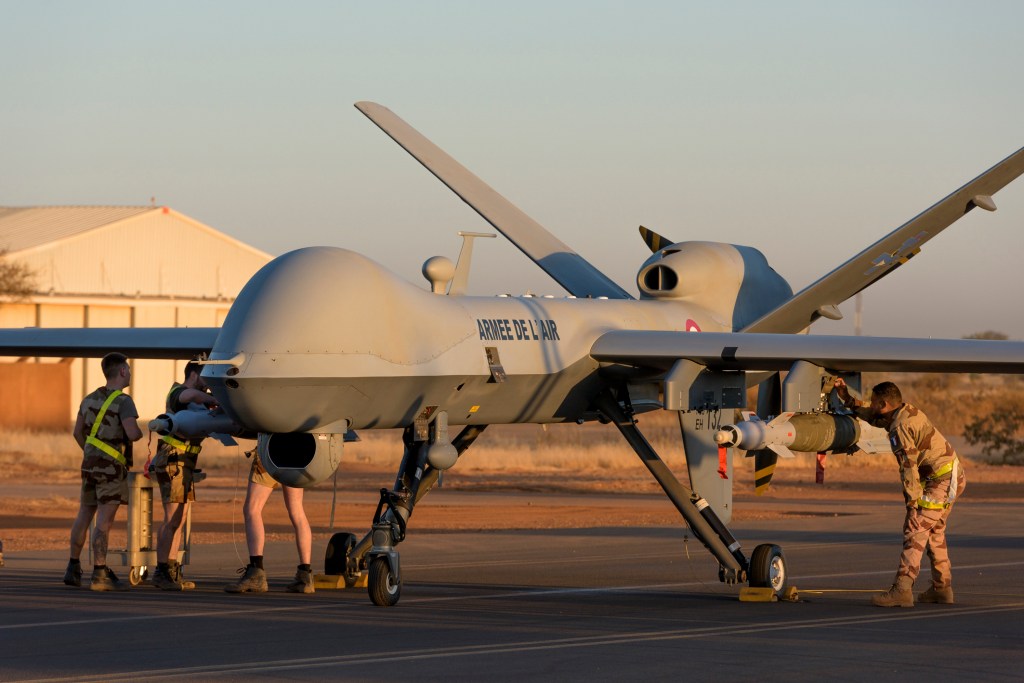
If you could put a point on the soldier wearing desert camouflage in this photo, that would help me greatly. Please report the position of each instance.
(933, 478)
(106, 426)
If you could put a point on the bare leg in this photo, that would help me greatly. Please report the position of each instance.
(80, 529)
(178, 531)
(104, 520)
(256, 497)
(303, 534)
(169, 531)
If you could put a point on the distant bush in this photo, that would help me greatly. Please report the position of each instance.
(987, 334)
(997, 434)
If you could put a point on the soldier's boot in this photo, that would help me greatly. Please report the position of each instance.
(941, 596)
(177, 575)
(105, 580)
(302, 583)
(253, 580)
(73, 574)
(900, 595)
(164, 580)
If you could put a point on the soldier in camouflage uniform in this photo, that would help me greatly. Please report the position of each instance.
(174, 466)
(933, 478)
(106, 426)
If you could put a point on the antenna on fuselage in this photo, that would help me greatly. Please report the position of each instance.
(461, 279)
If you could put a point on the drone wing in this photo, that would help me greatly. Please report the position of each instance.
(657, 350)
(889, 253)
(182, 343)
(557, 259)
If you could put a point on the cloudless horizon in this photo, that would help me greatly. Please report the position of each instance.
(806, 130)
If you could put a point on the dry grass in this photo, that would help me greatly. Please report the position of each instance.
(950, 400)
(518, 448)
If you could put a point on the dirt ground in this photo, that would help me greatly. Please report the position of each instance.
(38, 504)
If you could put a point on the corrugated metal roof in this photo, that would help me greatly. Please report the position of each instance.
(24, 227)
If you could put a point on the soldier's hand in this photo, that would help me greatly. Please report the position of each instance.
(842, 391)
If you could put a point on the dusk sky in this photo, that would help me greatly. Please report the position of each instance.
(804, 129)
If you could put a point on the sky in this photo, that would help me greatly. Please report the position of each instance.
(804, 129)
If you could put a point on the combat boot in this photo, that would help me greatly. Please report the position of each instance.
(163, 580)
(253, 580)
(900, 595)
(73, 574)
(941, 596)
(175, 571)
(302, 583)
(105, 580)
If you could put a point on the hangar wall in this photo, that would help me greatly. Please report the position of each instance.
(151, 267)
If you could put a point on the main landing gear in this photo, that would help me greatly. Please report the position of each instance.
(375, 552)
(766, 567)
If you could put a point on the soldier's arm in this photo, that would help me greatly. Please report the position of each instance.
(195, 396)
(129, 415)
(861, 409)
(909, 455)
(79, 431)
(131, 429)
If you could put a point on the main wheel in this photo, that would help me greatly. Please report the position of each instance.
(338, 549)
(384, 590)
(768, 568)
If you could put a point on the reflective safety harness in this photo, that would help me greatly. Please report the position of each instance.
(953, 466)
(180, 446)
(103, 445)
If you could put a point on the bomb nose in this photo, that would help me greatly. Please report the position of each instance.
(729, 436)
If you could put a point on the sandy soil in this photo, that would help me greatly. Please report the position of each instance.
(37, 506)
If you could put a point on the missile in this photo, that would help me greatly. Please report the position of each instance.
(803, 432)
(193, 423)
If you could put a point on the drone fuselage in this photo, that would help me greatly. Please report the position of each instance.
(324, 339)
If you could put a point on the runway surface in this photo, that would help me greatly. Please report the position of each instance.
(604, 604)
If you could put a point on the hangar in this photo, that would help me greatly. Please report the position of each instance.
(110, 266)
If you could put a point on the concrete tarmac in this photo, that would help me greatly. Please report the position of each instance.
(597, 604)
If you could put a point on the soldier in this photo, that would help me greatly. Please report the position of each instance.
(933, 478)
(174, 466)
(106, 426)
(254, 578)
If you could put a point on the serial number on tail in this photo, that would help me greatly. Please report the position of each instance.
(503, 329)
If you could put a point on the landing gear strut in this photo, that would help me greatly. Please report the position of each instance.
(375, 552)
(767, 566)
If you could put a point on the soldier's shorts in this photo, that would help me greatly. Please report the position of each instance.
(176, 482)
(259, 475)
(104, 480)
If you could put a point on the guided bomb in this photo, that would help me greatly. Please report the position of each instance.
(803, 432)
(193, 424)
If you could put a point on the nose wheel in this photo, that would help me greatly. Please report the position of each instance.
(383, 587)
(768, 568)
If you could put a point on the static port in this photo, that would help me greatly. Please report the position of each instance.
(232, 371)
(232, 384)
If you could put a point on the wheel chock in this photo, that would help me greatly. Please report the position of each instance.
(791, 594)
(750, 594)
(337, 581)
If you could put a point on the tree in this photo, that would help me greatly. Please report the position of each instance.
(17, 280)
(997, 434)
(987, 334)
